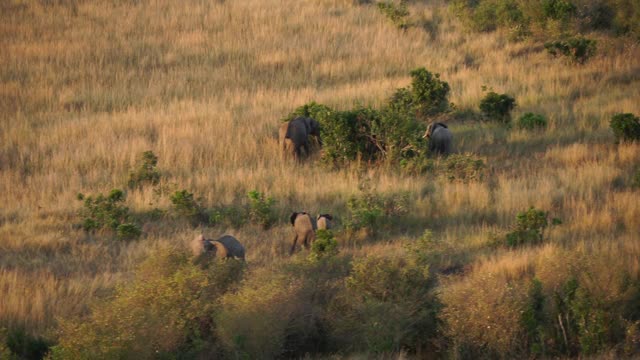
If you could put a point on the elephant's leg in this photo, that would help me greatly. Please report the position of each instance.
(293, 245)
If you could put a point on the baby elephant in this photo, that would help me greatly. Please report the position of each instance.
(225, 247)
(324, 221)
(303, 229)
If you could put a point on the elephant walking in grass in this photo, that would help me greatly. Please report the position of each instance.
(440, 138)
(223, 248)
(303, 229)
(324, 221)
(294, 136)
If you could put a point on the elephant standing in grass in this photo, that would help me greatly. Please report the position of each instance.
(223, 248)
(440, 138)
(294, 136)
(303, 229)
(324, 221)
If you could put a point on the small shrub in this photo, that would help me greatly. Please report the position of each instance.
(626, 127)
(578, 49)
(397, 13)
(261, 209)
(427, 95)
(371, 212)
(185, 205)
(324, 246)
(106, 213)
(529, 228)
(128, 231)
(534, 319)
(497, 107)
(531, 121)
(635, 180)
(558, 9)
(146, 172)
(230, 215)
(24, 345)
(463, 168)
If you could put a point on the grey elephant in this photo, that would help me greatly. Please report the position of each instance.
(223, 248)
(440, 138)
(303, 229)
(324, 221)
(294, 136)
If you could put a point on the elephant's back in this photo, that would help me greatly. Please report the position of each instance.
(303, 223)
(233, 246)
(323, 223)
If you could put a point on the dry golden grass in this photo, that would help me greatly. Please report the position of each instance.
(86, 88)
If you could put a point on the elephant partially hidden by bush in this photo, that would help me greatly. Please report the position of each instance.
(324, 221)
(294, 136)
(440, 138)
(223, 248)
(303, 229)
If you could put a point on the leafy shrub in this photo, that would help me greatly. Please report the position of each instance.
(498, 107)
(578, 49)
(324, 246)
(261, 209)
(397, 13)
(534, 319)
(426, 96)
(167, 309)
(18, 344)
(531, 121)
(558, 9)
(626, 127)
(388, 305)
(529, 228)
(185, 205)
(463, 167)
(228, 215)
(313, 110)
(371, 211)
(146, 173)
(106, 213)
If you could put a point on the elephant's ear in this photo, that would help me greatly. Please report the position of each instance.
(294, 215)
(328, 216)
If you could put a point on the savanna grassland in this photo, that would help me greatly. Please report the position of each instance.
(87, 86)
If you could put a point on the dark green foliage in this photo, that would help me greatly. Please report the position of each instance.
(228, 215)
(396, 12)
(313, 110)
(372, 211)
(146, 172)
(578, 49)
(325, 245)
(558, 9)
(497, 107)
(107, 213)
(463, 167)
(261, 209)
(24, 346)
(534, 319)
(531, 121)
(426, 96)
(186, 206)
(626, 127)
(529, 228)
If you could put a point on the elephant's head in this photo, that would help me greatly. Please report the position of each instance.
(431, 128)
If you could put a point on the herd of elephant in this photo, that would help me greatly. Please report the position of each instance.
(227, 246)
(294, 137)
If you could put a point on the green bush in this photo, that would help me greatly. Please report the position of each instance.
(497, 107)
(529, 228)
(186, 206)
(313, 110)
(531, 121)
(578, 49)
(146, 172)
(635, 180)
(324, 246)
(371, 211)
(261, 209)
(534, 320)
(107, 213)
(388, 306)
(166, 311)
(626, 127)
(396, 12)
(558, 9)
(462, 167)
(18, 344)
(232, 215)
(426, 96)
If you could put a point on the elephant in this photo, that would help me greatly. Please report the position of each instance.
(294, 135)
(303, 229)
(440, 138)
(324, 221)
(223, 248)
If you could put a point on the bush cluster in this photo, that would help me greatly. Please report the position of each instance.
(578, 49)
(497, 107)
(531, 121)
(261, 209)
(146, 171)
(371, 212)
(529, 228)
(462, 168)
(626, 127)
(396, 12)
(107, 213)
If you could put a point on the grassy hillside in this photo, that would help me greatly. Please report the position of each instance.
(87, 87)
